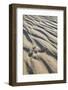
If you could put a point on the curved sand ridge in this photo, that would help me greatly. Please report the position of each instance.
(39, 44)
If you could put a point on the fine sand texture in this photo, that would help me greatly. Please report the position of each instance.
(39, 44)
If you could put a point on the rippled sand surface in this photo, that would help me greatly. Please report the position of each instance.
(39, 44)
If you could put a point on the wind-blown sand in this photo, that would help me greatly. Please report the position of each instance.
(39, 44)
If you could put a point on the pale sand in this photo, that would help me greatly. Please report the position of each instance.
(39, 32)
